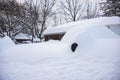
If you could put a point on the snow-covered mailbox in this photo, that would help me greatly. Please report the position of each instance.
(56, 33)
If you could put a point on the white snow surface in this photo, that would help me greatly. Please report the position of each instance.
(100, 62)
(21, 36)
(88, 32)
(6, 42)
(97, 57)
(107, 21)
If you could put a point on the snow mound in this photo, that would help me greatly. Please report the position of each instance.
(101, 62)
(35, 52)
(93, 31)
(6, 42)
(85, 36)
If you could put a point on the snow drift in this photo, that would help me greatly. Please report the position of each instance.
(86, 35)
(5, 43)
(34, 52)
(97, 57)
(94, 31)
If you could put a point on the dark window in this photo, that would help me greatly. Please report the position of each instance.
(74, 46)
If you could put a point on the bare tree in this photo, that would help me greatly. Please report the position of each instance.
(1, 33)
(73, 9)
(55, 20)
(16, 18)
(92, 9)
(10, 17)
(33, 16)
(46, 11)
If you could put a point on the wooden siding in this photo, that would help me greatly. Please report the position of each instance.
(53, 36)
(22, 40)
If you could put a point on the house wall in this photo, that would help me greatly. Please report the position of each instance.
(53, 36)
(22, 40)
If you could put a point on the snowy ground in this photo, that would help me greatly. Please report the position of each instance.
(94, 59)
(100, 62)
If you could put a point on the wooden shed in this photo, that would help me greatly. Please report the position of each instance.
(20, 38)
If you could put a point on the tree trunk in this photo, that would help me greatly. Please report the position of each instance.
(41, 31)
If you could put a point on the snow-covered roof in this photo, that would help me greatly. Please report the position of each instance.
(21, 36)
(101, 20)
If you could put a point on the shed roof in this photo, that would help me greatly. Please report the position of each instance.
(65, 27)
(21, 36)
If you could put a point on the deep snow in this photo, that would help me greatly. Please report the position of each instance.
(5, 43)
(97, 63)
(97, 57)
(87, 34)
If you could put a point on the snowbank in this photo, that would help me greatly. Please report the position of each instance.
(6, 42)
(100, 62)
(86, 36)
(89, 31)
(35, 52)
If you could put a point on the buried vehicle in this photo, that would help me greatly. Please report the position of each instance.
(78, 39)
